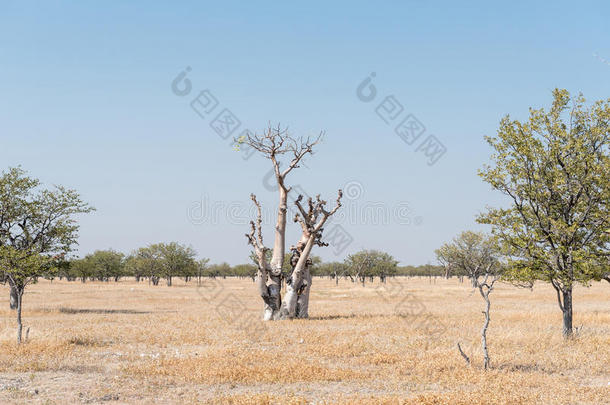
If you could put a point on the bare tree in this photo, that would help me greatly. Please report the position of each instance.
(275, 144)
(478, 256)
(298, 284)
(264, 273)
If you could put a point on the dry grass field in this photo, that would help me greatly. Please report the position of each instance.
(378, 344)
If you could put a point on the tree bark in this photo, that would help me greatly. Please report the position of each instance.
(270, 311)
(277, 259)
(14, 295)
(19, 323)
(303, 299)
(289, 305)
(567, 312)
(484, 330)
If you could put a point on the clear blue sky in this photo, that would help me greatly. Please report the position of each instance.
(86, 102)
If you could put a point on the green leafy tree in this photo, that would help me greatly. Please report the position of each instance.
(219, 270)
(554, 169)
(371, 263)
(38, 230)
(81, 269)
(426, 270)
(244, 270)
(202, 265)
(177, 260)
(148, 261)
(107, 264)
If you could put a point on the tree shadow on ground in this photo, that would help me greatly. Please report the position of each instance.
(351, 316)
(65, 310)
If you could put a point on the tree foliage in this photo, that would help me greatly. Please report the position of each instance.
(38, 229)
(554, 169)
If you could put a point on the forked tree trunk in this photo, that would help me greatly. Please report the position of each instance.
(289, 305)
(273, 144)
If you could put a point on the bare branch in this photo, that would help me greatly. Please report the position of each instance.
(463, 354)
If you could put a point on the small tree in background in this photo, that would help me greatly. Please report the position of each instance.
(202, 266)
(371, 263)
(176, 260)
(554, 168)
(106, 264)
(147, 262)
(81, 269)
(478, 256)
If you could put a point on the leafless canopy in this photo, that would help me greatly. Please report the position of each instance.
(255, 237)
(312, 219)
(276, 142)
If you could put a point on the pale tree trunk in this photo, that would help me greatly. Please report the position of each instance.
(302, 310)
(274, 284)
(289, 305)
(270, 293)
(263, 289)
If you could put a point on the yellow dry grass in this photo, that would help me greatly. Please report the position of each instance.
(378, 344)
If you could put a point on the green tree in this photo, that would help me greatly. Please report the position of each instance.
(245, 270)
(107, 264)
(177, 260)
(81, 269)
(148, 261)
(554, 169)
(371, 263)
(219, 270)
(38, 229)
(202, 265)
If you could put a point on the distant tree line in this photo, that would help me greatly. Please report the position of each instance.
(166, 261)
